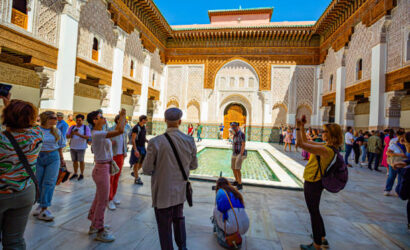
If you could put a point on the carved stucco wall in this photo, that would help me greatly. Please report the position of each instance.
(195, 83)
(304, 86)
(281, 79)
(134, 51)
(332, 62)
(396, 33)
(156, 68)
(95, 22)
(47, 18)
(175, 84)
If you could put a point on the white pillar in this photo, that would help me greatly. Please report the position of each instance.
(66, 62)
(145, 83)
(117, 71)
(340, 94)
(378, 86)
(162, 96)
(291, 119)
(204, 111)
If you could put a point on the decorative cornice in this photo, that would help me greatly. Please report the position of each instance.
(329, 98)
(86, 68)
(362, 88)
(129, 84)
(153, 93)
(395, 80)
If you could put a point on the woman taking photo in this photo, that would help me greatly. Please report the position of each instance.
(229, 214)
(332, 137)
(48, 163)
(17, 192)
(103, 156)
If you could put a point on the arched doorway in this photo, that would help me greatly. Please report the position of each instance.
(233, 113)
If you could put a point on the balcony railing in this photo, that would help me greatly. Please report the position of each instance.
(94, 55)
(19, 18)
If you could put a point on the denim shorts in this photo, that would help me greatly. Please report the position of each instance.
(140, 160)
(77, 154)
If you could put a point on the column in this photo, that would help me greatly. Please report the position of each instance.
(63, 96)
(393, 108)
(206, 94)
(162, 95)
(157, 108)
(267, 107)
(324, 114)
(316, 118)
(145, 83)
(378, 86)
(114, 104)
(105, 91)
(340, 94)
(291, 116)
(349, 113)
(136, 106)
(47, 84)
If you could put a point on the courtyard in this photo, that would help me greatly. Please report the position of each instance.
(359, 217)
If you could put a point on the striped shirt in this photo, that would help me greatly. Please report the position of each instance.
(13, 176)
(238, 138)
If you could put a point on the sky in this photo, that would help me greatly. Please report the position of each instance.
(178, 12)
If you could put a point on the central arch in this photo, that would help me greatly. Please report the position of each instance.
(236, 73)
(233, 112)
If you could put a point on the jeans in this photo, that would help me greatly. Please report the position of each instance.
(14, 212)
(48, 165)
(376, 158)
(356, 149)
(199, 136)
(313, 192)
(391, 178)
(101, 177)
(364, 152)
(165, 218)
(348, 149)
(119, 159)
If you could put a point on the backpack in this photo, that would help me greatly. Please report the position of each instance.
(335, 177)
(403, 187)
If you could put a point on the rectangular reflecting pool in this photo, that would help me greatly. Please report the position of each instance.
(211, 161)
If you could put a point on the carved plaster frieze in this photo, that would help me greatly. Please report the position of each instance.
(349, 109)
(47, 82)
(393, 105)
(325, 110)
(136, 99)
(105, 95)
(156, 105)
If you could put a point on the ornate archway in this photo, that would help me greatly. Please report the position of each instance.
(234, 112)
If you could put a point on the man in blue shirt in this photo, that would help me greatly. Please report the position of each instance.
(62, 126)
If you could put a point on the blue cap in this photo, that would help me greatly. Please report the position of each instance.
(173, 114)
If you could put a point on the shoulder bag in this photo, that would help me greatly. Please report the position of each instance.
(393, 159)
(23, 160)
(189, 190)
(235, 239)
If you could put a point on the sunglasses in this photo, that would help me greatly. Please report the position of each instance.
(53, 118)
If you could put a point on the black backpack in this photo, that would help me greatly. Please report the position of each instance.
(403, 187)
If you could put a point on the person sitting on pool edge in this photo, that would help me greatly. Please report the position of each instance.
(238, 154)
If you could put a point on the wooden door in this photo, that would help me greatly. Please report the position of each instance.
(234, 113)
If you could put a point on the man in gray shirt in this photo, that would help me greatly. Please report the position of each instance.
(167, 184)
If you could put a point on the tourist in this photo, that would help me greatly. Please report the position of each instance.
(349, 139)
(238, 154)
(168, 186)
(17, 190)
(288, 139)
(358, 142)
(231, 132)
(138, 152)
(103, 157)
(374, 147)
(62, 126)
(119, 149)
(313, 187)
(70, 120)
(229, 214)
(363, 148)
(396, 152)
(294, 139)
(389, 136)
(221, 131)
(306, 154)
(79, 135)
(199, 132)
(48, 164)
(281, 131)
(191, 130)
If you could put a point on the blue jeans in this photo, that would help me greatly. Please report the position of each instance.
(392, 177)
(376, 158)
(364, 152)
(348, 149)
(199, 136)
(48, 165)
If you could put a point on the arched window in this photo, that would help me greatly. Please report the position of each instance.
(19, 15)
(331, 83)
(222, 82)
(232, 82)
(408, 48)
(94, 54)
(132, 69)
(153, 79)
(241, 82)
(251, 82)
(359, 67)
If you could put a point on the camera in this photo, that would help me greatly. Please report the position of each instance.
(4, 89)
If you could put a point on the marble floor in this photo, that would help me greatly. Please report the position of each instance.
(359, 217)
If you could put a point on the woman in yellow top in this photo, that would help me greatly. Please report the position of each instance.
(332, 137)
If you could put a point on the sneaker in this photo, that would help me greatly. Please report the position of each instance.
(111, 205)
(235, 183)
(239, 187)
(325, 244)
(132, 174)
(387, 193)
(81, 177)
(73, 176)
(46, 215)
(308, 247)
(138, 181)
(105, 236)
(37, 211)
(116, 201)
(94, 230)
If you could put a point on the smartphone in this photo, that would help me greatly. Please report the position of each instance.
(5, 89)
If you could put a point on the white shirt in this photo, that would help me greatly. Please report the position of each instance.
(349, 138)
(101, 146)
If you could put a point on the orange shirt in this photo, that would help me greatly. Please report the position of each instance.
(71, 123)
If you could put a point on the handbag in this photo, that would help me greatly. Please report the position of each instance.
(63, 174)
(189, 190)
(23, 160)
(393, 159)
(235, 239)
(114, 169)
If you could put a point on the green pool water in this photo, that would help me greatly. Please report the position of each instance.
(211, 161)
